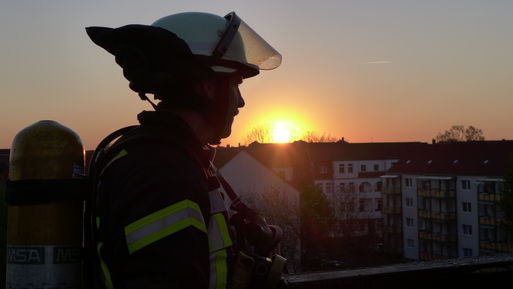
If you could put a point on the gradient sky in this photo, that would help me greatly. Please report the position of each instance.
(364, 70)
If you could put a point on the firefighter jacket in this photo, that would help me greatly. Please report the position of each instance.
(160, 221)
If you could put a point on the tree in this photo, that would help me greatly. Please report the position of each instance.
(264, 134)
(312, 137)
(261, 134)
(460, 133)
(317, 222)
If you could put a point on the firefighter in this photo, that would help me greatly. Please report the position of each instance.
(161, 219)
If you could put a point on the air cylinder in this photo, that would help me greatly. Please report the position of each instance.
(44, 231)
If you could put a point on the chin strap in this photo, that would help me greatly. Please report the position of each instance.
(143, 96)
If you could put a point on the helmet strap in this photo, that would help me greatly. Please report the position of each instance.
(143, 96)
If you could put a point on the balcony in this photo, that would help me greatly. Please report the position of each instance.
(438, 237)
(496, 246)
(489, 221)
(489, 272)
(435, 193)
(486, 197)
(392, 210)
(392, 229)
(442, 216)
(391, 191)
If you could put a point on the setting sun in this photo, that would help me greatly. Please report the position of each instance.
(280, 133)
(283, 132)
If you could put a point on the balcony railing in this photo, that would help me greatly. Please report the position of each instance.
(391, 191)
(496, 246)
(435, 193)
(392, 229)
(490, 197)
(438, 237)
(392, 210)
(489, 272)
(490, 221)
(443, 216)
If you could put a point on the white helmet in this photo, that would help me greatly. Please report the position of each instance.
(227, 44)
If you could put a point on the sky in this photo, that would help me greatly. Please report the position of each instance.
(368, 71)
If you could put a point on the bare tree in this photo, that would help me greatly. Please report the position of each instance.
(312, 137)
(261, 134)
(460, 133)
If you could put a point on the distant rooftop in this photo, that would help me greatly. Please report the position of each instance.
(460, 158)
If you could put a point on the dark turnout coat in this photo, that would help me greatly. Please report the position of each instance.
(161, 219)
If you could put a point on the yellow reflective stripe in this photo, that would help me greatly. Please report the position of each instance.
(97, 223)
(106, 273)
(219, 270)
(163, 223)
(121, 154)
(219, 235)
(223, 229)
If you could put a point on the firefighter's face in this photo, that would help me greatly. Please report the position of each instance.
(234, 101)
(224, 101)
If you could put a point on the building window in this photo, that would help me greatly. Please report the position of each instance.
(407, 182)
(323, 169)
(467, 252)
(467, 207)
(410, 243)
(409, 202)
(379, 186)
(362, 205)
(341, 168)
(379, 204)
(465, 184)
(409, 222)
(329, 188)
(350, 207)
(351, 187)
(363, 168)
(376, 167)
(341, 187)
(350, 168)
(467, 230)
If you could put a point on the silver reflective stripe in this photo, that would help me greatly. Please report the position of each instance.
(163, 223)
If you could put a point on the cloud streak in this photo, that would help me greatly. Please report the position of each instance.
(379, 62)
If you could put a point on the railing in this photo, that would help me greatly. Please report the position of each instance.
(490, 197)
(489, 272)
(444, 216)
(496, 246)
(490, 221)
(392, 229)
(436, 193)
(391, 191)
(392, 210)
(439, 237)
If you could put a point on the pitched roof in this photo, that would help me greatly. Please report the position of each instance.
(341, 151)
(458, 158)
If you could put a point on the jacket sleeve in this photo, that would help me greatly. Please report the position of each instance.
(155, 211)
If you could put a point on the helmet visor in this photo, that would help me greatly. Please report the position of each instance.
(250, 48)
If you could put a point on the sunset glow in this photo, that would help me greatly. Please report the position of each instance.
(281, 133)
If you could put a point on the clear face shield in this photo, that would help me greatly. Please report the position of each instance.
(243, 45)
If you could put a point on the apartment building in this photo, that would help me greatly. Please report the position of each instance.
(349, 174)
(443, 202)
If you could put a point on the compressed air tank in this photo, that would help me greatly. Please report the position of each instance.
(44, 231)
